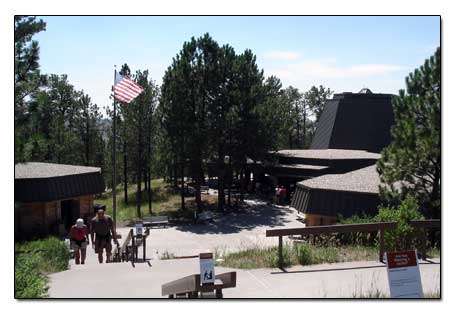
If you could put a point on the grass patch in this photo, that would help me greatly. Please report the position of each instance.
(33, 260)
(301, 254)
(166, 201)
(376, 293)
(298, 254)
(167, 255)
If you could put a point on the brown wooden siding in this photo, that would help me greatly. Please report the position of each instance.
(38, 219)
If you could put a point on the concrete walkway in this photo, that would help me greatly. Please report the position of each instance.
(227, 233)
(340, 280)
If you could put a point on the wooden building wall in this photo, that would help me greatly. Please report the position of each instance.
(37, 219)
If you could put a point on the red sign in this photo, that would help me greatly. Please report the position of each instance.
(401, 259)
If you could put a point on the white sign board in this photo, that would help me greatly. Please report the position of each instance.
(138, 229)
(206, 265)
(404, 275)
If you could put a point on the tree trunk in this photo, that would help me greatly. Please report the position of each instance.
(242, 185)
(87, 138)
(304, 129)
(174, 173)
(230, 182)
(221, 183)
(297, 126)
(150, 209)
(198, 183)
(182, 190)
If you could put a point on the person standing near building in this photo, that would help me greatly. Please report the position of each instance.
(282, 195)
(102, 228)
(79, 240)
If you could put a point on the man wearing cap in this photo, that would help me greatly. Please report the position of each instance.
(79, 240)
(102, 227)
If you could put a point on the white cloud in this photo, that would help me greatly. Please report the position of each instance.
(302, 74)
(285, 55)
(329, 69)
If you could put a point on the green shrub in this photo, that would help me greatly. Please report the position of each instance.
(33, 260)
(328, 255)
(272, 256)
(403, 237)
(303, 253)
(28, 281)
(54, 254)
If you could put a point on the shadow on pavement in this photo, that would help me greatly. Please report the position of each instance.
(256, 214)
(284, 271)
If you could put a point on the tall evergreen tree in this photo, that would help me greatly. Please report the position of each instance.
(315, 98)
(411, 164)
(27, 80)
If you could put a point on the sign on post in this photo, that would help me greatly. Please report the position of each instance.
(404, 275)
(206, 264)
(139, 228)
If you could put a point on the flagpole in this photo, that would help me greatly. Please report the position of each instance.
(114, 154)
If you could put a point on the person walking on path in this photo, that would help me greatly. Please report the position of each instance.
(102, 228)
(79, 240)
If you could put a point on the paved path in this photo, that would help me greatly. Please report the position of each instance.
(228, 233)
(351, 279)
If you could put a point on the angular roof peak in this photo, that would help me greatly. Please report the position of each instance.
(365, 91)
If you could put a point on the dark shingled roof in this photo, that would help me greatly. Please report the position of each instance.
(39, 182)
(355, 121)
(44, 170)
(364, 180)
(346, 194)
(330, 154)
(302, 166)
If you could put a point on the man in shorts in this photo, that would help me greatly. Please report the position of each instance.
(79, 240)
(102, 228)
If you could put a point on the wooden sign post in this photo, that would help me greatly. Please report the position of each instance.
(404, 275)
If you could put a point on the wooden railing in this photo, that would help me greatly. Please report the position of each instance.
(361, 227)
(121, 252)
(422, 225)
(190, 287)
(129, 250)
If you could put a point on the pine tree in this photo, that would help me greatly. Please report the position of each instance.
(27, 80)
(315, 99)
(412, 162)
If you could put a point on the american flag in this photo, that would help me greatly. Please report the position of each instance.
(126, 89)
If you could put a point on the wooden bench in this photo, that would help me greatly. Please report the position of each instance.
(205, 216)
(205, 189)
(155, 220)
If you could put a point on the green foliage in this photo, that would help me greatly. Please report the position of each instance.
(316, 97)
(303, 253)
(35, 259)
(27, 77)
(403, 237)
(166, 255)
(411, 164)
(28, 281)
(299, 254)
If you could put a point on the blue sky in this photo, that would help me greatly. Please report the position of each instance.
(343, 53)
